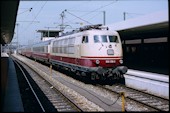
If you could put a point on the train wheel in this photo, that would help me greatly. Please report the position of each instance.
(83, 74)
(93, 76)
(78, 73)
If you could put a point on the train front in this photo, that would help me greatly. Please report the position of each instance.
(105, 55)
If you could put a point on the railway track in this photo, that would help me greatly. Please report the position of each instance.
(30, 91)
(150, 101)
(60, 101)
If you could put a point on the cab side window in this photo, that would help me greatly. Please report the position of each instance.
(85, 39)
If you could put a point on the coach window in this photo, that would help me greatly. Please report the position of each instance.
(85, 39)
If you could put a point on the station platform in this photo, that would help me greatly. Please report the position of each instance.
(10, 94)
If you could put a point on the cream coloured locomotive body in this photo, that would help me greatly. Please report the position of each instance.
(93, 51)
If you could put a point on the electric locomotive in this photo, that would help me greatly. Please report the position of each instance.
(92, 51)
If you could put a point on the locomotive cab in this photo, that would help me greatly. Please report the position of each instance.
(104, 47)
(102, 51)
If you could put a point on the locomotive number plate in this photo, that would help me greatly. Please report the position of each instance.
(110, 61)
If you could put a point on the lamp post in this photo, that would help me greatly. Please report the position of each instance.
(124, 16)
(104, 18)
(17, 36)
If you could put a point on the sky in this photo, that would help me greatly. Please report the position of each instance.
(41, 14)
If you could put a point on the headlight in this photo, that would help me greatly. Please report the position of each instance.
(121, 61)
(97, 61)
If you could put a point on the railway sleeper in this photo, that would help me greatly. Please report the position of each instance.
(150, 101)
(156, 104)
(163, 107)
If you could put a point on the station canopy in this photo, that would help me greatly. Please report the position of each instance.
(151, 25)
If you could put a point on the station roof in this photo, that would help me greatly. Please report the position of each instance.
(151, 25)
(9, 10)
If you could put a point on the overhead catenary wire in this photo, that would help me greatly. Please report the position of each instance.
(101, 7)
(25, 11)
(98, 12)
(129, 14)
(95, 10)
(33, 15)
(36, 16)
(39, 12)
(77, 17)
(95, 15)
(89, 12)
